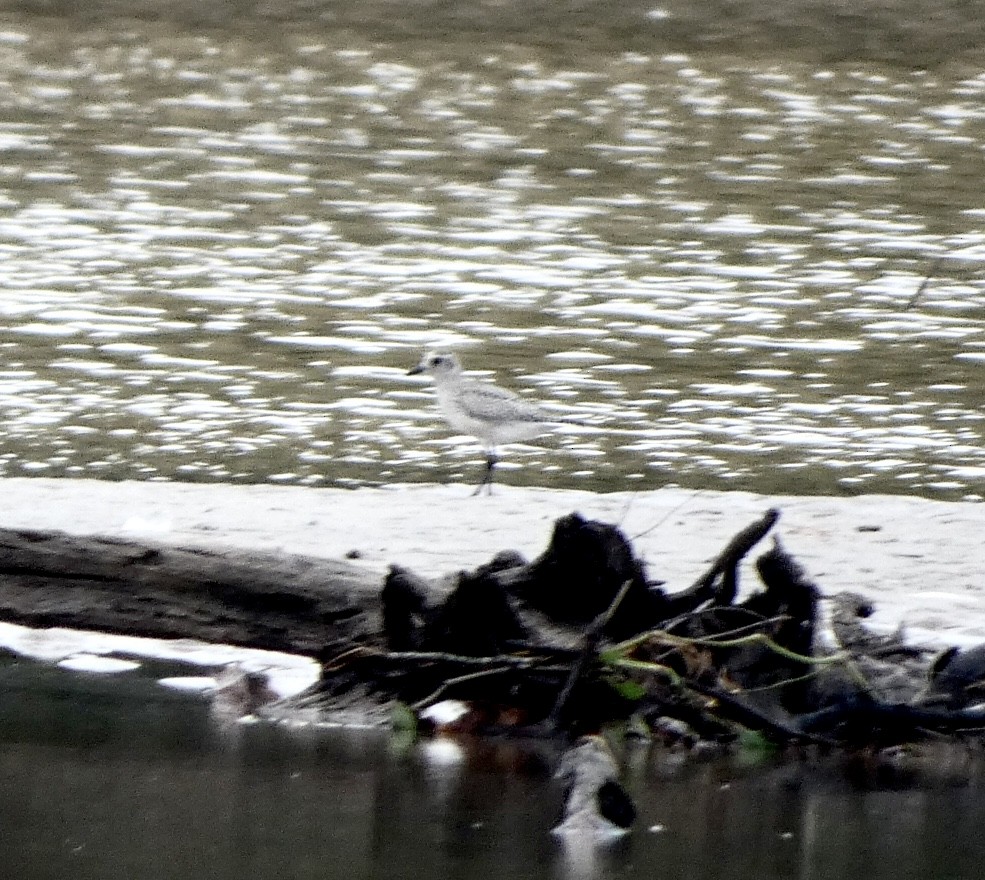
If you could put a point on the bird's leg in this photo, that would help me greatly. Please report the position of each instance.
(487, 476)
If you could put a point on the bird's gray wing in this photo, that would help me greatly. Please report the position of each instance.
(493, 404)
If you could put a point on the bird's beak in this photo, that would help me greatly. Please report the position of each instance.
(418, 369)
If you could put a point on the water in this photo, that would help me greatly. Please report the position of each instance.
(126, 779)
(221, 250)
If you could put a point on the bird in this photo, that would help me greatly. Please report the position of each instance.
(493, 415)
(595, 803)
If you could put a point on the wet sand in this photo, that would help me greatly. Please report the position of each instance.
(919, 560)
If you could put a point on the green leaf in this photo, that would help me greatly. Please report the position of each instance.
(754, 748)
(611, 655)
(630, 690)
(402, 718)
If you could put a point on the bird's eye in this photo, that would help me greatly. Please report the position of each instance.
(437, 360)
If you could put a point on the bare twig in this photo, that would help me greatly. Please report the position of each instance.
(452, 682)
(666, 638)
(727, 561)
(749, 716)
(508, 660)
(593, 634)
(931, 272)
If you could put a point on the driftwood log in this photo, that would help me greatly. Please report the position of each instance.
(273, 601)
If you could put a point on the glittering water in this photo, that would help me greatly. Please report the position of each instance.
(220, 254)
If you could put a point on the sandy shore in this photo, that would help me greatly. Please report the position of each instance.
(919, 560)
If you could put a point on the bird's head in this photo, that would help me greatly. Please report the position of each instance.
(437, 364)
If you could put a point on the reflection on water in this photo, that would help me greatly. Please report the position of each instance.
(220, 254)
(130, 780)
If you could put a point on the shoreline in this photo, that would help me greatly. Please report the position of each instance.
(916, 559)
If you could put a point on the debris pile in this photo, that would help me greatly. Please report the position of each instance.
(581, 638)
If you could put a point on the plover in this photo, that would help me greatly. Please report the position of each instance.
(485, 411)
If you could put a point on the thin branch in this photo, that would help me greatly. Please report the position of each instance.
(931, 272)
(727, 561)
(727, 639)
(339, 660)
(451, 682)
(603, 620)
(644, 666)
(593, 633)
(776, 685)
(753, 718)
(510, 660)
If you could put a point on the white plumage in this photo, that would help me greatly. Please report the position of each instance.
(485, 411)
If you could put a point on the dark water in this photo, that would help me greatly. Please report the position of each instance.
(125, 780)
(224, 241)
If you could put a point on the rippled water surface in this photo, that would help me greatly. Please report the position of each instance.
(221, 252)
